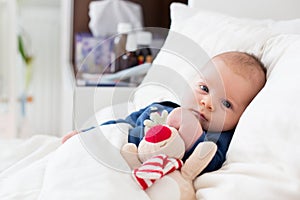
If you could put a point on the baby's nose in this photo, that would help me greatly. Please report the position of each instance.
(207, 103)
(157, 134)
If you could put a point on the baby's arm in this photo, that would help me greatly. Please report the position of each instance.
(187, 124)
(68, 136)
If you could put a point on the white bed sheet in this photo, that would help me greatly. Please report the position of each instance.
(87, 166)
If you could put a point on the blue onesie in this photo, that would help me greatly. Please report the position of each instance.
(136, 134)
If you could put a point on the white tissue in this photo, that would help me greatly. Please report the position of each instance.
(105, 16)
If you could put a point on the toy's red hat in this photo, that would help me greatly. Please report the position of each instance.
(158, 133)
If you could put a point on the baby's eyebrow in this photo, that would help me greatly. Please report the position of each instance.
(201, 82)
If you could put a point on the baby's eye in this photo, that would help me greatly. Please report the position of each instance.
(204, 88)
(226, 103)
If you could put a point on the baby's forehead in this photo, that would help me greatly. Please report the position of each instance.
(239, 63)
(210, 69)
(217, 69)
(209, 75)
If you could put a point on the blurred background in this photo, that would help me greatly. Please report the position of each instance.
(38, 64)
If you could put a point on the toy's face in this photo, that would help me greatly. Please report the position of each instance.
(161, 139)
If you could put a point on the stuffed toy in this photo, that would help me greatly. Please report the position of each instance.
(156, 162)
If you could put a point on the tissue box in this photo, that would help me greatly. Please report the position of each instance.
(93, 54)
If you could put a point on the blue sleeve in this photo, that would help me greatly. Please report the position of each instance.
(222, 141)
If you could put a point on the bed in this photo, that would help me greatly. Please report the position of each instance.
(263, 157)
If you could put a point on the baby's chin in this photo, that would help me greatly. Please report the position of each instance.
(204, 125)
(208, 128)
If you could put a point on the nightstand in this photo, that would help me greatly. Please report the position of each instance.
(89, 100)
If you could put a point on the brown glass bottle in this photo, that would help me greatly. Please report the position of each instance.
(120, 46)
(143, 51)
(129, 59)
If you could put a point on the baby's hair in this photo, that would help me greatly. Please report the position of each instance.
(245, 64)
(258, 61)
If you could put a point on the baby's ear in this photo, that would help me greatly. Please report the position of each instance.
(198, 160)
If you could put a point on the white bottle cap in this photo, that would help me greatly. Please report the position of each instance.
(124, 27)
(131, 44)
(144, 38)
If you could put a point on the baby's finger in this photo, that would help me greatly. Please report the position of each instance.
(68, 136)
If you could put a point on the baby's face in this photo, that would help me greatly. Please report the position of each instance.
(220, 97)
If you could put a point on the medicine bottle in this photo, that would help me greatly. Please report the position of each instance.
(144, 54)
(119, 48)
(129, 59)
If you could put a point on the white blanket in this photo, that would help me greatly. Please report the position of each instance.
(87, 166)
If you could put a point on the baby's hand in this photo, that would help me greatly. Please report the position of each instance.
(187, 124)
(68, 136)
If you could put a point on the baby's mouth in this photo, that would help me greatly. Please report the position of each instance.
(203, 117)
(199, 115)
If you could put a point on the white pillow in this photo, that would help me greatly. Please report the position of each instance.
(194, 37)
(263, 157)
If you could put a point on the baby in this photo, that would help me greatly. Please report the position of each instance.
(219, 98)
(211, 112)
